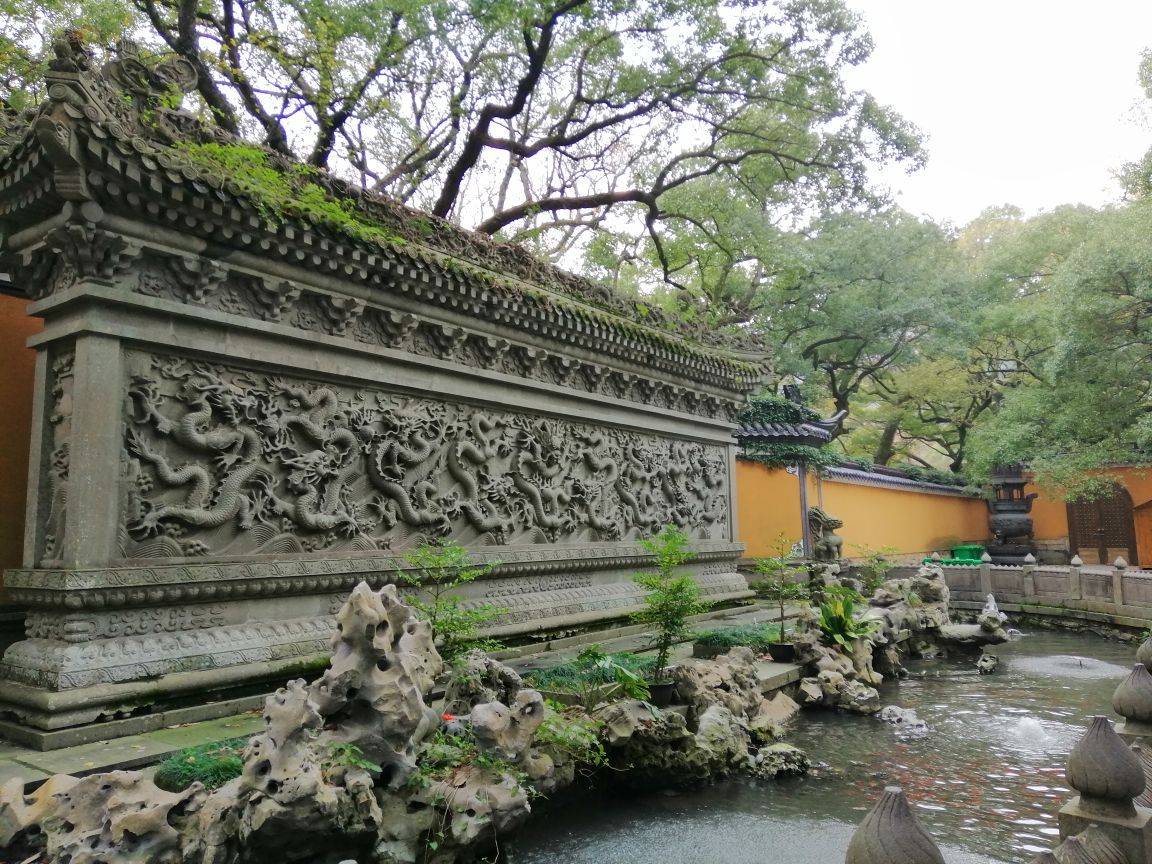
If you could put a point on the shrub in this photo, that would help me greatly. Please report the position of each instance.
(573, 733)
(838, 623)
(442, 568)
(671, 598)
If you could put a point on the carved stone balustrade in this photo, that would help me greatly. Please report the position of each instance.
(1133, 701)
(1144, 654)
(891, 834)
(1107, 776)
(240, 414)
(1091, 846)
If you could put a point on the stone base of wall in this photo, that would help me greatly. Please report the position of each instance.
(131, 641)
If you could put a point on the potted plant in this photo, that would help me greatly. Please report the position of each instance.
(670, 601)
(778, 587)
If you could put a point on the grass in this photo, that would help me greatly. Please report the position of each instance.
(567, 677)
(754, 636)
(212, 764)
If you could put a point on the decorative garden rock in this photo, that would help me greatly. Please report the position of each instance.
(730, 680)
(337, 772)
(781, 760)
(120, 816)
(507, 730)
(772, 716)
(891, 834)
(477, 678)
(325, 780)
(988, 629)
(1104, 771)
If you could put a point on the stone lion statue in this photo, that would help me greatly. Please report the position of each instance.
(826, 543)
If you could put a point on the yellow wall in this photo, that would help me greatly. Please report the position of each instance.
(875, 517)
(909, 522)
(17, 364)
(767, 505)
(1050, 512)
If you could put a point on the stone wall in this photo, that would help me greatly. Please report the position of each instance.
(238, 417)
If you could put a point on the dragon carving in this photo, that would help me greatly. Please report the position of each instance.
(228, 461)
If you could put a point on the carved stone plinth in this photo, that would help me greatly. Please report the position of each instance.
(1133, 834)
(239, 417)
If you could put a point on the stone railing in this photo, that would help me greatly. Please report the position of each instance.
(1114, 593)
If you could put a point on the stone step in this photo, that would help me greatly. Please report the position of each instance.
(133, 751)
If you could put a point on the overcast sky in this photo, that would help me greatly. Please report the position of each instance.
(1022, 102)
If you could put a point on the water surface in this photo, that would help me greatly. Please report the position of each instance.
(987, 779)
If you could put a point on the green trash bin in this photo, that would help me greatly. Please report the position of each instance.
(968, 553)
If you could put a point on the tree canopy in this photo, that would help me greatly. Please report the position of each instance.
(544, 121)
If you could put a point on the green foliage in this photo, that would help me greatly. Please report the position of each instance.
(777, 585)
(755, 636)
(774, 409)
(596, 678)
(442, 568)
(786, 455)
(280, 192)
(837, 622)
(443, 754)
(1087, 405)
(211, 764)
(873, 569)
(341, 754)
(574, 733)
(671, 599)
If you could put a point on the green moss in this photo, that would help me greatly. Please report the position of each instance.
(212, 764)
(280, 194)
(304, 668)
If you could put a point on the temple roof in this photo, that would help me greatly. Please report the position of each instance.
(808, 434)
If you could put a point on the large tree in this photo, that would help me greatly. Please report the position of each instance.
(1091, 403)
(540, 120)
(861, 292)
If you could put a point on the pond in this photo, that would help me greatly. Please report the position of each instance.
(986, 780)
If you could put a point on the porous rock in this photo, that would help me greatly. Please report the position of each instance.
(476, 679)
(119, 816)
(781, 759)
(507, 730)
(729, 680)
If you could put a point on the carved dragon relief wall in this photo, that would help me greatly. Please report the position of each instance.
(223, 461)
(55, 464)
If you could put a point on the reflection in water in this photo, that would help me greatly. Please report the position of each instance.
(987, 780)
